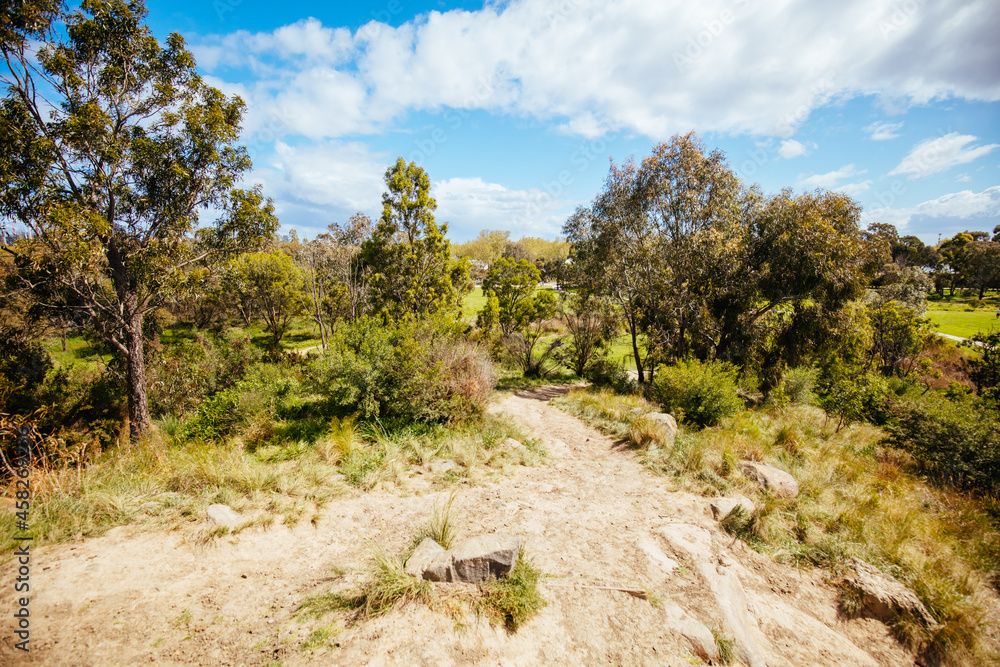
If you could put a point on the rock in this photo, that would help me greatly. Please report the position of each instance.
(223, 515)
(883, 596)
(778, 481)
(338, 478)
(636, 411)
(511, 443)
(430, 561)
(660, 559)
(443, 465)
(665, 422)
(721, 507)
(148, 507)
(478, 558)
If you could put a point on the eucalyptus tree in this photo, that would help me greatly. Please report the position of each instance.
(113, 143)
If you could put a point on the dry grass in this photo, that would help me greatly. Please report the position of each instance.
(279, 481)
(857, 499)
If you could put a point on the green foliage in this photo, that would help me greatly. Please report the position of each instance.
(110, 167)
(268, 284)
(513, 282)
(957, 440)
(607, 373)
(898, 335)
(798, 384)
(855, 398)
(697, 392)
(592, 324)
(984, 370)
(488, 322)
(521, 345)
(514, 599)
(262, 391)
(413, 371)
(184, 373)
(411, 271)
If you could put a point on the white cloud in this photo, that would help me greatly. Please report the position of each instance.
(854, 189)
(933, 155)
(883, 131)
(963, 178)
(830, 180)
(651, 68)
(964, 205)
(471, 204)
(790, 148)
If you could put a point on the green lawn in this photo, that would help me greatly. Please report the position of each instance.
(957, 317)
(472, 304)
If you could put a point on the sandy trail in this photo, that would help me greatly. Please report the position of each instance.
(587, 519)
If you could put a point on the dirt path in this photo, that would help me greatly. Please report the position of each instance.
(592, 517)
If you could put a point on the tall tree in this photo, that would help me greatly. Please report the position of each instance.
(273, 284)
(411, 272)
(112, 145)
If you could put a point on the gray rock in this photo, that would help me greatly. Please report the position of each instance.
(667, 423)
(430, 561)
(151, 505)
(478, 558)
(778, 481)
(721, 507)
(223, 515)
(884, 597)
(443, 465)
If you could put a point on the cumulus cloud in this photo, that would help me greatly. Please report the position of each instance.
(651, 68)
(933, 155)
(790, 148)
(960, 206)
(883, 131)
(471, 204)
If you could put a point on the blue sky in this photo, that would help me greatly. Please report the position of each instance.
(515, 108)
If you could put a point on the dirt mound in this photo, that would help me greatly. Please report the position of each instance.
(597, 523)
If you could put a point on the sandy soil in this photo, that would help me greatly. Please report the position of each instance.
(131, 597)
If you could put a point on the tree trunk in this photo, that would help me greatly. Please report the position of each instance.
(635, 348)
(139, 422)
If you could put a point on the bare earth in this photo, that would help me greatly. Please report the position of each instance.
(593, 517)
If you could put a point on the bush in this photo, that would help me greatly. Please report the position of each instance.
(261, 392)
(415, 372)
(606, 373)
(858, 398)
(699, 393)
(798, 385)
(181, 375)
(955, 439)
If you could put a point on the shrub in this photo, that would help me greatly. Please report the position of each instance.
(798, 385)
(699, 393)
(858, 398)
(957, 440)
(261, 392)
(412, 371)
(606, 373)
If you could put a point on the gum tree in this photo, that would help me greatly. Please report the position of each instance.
(112, 146)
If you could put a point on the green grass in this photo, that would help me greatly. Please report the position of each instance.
(473, 302)
(514, 599)
(857, 498)
(959, 322)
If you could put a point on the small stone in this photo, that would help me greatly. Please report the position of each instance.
(223, 515)
(337, 477)
(511, 443)
(721, 507)
(778, 481)
(443, 465)
(479, 558)
(150, 506)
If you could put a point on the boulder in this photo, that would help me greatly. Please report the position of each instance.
(430, 561)
(223, 515)
(479, 558)
(884, 597)
(778, 481)
(721, 507)
(443, 465)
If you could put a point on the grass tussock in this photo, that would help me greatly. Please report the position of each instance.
(514, 599)
(857, 498)
(509, 601)
(168, 480)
